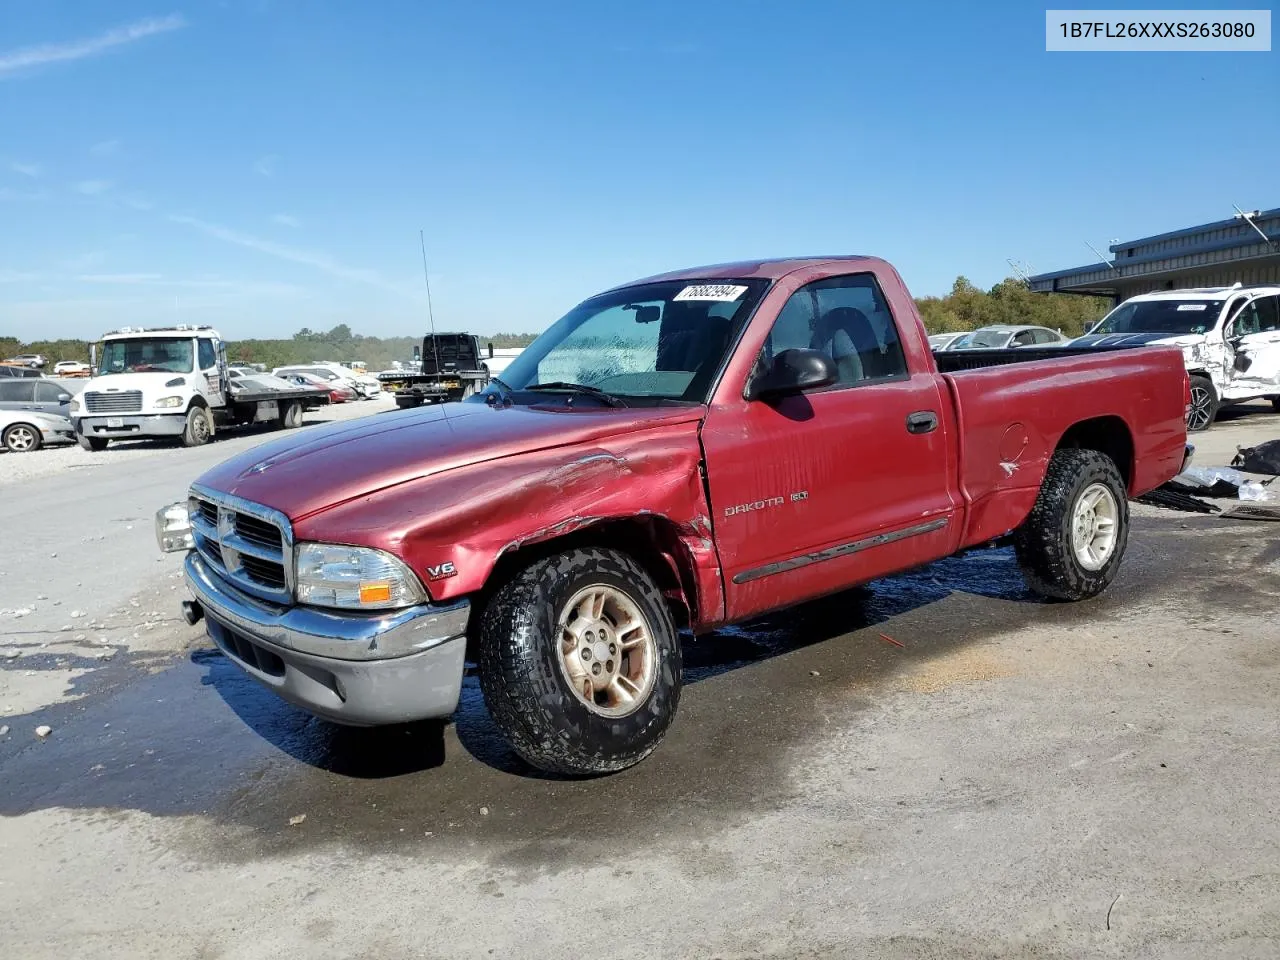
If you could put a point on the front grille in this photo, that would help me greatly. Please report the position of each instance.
(123, 401)
(265, 572)
(246, 543)
(258, 531)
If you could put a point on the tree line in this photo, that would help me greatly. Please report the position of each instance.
(966, 307)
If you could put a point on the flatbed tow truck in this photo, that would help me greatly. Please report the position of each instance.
(449, 369)
(174, 382)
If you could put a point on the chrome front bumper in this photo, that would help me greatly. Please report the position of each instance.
(356, 669)
(131, 425)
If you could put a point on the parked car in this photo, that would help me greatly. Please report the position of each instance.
(25, 431)
(1002, 336)
(339, 392)
(672, 453)
(71, 368)
(942, 341)
(44, 395)
(334, 374)
(1229, 338)
(18, 372)
(34, 360)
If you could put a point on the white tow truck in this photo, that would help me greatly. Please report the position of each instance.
(173, 382)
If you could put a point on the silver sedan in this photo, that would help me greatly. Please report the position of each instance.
(25, 431)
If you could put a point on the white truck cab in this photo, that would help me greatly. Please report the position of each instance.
(153, 382)
(1229, 336)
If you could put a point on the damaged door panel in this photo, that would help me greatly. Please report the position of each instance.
(1252, 344)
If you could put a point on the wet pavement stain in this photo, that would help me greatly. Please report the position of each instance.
(202, 738)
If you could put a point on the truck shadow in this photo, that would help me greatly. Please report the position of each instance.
(758, 696)
(389, 752)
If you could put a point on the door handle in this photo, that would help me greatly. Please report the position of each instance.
(922, 421)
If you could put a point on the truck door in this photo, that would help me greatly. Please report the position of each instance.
(1252, 339)
(212, 375)
(813, 492)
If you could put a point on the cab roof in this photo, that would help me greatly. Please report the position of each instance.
(774, 269)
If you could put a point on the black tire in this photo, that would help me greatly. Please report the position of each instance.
(291, 415)
(1045, 543)
(409, 402)
(22, 438)
(526, 686)
(1204, 404)
(1275, 404)
(96, 444)
(199, 428)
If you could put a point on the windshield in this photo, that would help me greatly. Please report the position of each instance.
(1161, 316)
(982, 340)
(652, 342)
(146, 355)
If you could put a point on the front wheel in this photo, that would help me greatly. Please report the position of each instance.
(22, 438)
(1275, 404)
(96, 444)
(1070, 546)
(580, 662)
(1204, 404)
(199, 427)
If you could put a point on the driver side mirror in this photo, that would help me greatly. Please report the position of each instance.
(791, 372)
(490, 351)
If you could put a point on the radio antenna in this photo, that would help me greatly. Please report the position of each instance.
(431, 317)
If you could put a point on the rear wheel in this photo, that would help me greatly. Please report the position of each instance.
(96, 444)
(199, 427)
(1071, 544)
(291, 415)
(580, 662)
(22, 438)
(1204, 404)
(408, 402)
(1275, 404)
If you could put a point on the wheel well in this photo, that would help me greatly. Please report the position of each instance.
(198, 401)
(1108, 435)
(653, 542)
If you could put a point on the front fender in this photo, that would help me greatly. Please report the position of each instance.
(452, 528)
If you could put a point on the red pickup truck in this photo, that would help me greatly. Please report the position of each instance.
(680, 452)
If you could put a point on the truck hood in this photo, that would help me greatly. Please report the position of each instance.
(1137, 340)
(305, 473)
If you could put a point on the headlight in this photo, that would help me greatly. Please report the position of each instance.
(355, 578)
(74, 405)
(169, 402)
(173, 528)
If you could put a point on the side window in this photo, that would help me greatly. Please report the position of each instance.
(846, 318)
(1024, 339)
(16, 391)
(1268, 313)
(1245, 322)
(1044, 336)
(48, 392)
(208, 358)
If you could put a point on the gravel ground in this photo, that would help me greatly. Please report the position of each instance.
(15, 468)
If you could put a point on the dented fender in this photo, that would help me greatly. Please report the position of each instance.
(453, 528)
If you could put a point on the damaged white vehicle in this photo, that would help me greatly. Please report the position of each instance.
(1230, 340)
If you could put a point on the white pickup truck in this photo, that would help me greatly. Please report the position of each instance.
(173, 382)
(1229, 336)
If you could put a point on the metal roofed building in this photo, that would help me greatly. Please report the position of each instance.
(1210, 255)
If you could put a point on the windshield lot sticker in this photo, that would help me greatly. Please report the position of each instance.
(718, 292)
(1192, 306)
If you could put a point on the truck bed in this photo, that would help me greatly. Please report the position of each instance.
(955, 361)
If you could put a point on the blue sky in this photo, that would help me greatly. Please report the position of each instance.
(266, 165)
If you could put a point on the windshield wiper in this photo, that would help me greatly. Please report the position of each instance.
(601, 395)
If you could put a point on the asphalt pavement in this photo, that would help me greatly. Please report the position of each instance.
(937, 765)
